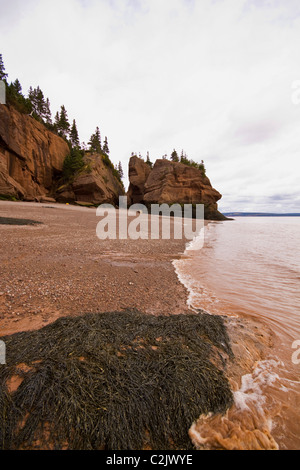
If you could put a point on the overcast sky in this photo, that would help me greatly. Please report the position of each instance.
(217, 78)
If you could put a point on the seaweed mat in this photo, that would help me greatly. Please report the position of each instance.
(113, 381)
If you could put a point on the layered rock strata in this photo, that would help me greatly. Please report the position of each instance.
(31, 164)
(172, 183)
(30, 155)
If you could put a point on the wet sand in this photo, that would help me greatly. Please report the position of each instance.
(61, 268)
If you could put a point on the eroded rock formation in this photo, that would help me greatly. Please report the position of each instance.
(172, 183)
(139, 172)
(95, 185)
(31, 164)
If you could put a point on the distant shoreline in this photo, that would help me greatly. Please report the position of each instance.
(259, 214)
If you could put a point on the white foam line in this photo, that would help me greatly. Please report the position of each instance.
(195, 245)
(251, 390)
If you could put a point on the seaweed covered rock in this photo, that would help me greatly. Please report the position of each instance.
(113, 381)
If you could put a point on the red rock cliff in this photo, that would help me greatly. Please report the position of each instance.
(31, 162)
(30, 155)
(169, 182)
(95, 185)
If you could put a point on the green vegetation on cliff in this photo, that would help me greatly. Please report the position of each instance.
(176, 159)
(38, 107)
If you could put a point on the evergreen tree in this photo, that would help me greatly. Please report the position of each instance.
(120, 170)
(38, 103)
(17, 86)
(56, 121)
(95, 142)
(98, 138)
(105, 146)
(184, 159)
(33, 99)
(174, 156)
(47, 113)
(15, 97)
(73, 163)
(74, 137)
(63, 124)
(3, 75)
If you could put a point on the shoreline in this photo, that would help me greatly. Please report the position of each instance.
(61, 269)
(265, 412)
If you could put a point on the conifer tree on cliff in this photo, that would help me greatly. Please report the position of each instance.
(15, 97)
(34, 96)
(40, 106)
(47, 113)
(3, 75)
(105, 146)
(56, 121)
(74, 137)
(14, 91)
(120, 170)
(95, 142)
(17, 86)
(174, 156)
(73, 163)
(63, 124)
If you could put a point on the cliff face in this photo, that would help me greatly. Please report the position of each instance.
(169, 182)
(138, 174)
(30, 155)
(95, 185)
(31, 162)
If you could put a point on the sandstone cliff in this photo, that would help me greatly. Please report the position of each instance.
(95, 184)
(138, 173)
(31, 164)
(169, 182)
(30, 155)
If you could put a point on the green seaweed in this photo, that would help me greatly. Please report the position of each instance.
(114, 381)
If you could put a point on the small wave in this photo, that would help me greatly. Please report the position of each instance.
(251, 390)
(248, 424)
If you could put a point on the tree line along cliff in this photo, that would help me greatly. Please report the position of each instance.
(43, 160)
(33, 162)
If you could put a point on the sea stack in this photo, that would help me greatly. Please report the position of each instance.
(172, 183)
